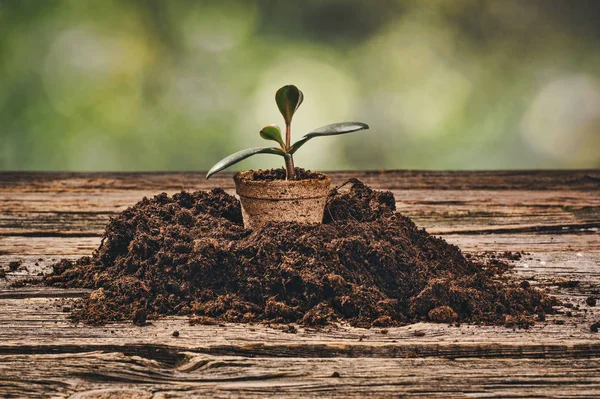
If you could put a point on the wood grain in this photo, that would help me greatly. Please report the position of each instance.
(553, 216)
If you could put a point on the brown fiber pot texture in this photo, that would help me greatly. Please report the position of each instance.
(301, 201)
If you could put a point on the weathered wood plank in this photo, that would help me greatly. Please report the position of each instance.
(34, 323)
(84, 213)
(55, 247)
(554, 180)
(208, 376)
(198, 375)
(547, 265)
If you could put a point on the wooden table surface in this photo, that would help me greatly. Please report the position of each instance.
(554, 216)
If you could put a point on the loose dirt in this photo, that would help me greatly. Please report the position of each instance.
(279, 174)
(366, 265)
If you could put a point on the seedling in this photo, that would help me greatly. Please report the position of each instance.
(288, 99)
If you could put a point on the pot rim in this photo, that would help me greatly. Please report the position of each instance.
(239, 179)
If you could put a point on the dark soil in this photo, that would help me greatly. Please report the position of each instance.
(366, 265)
(14, 266)
(279, 174)
(590, 301)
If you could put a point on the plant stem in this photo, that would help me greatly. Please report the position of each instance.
(290, 171)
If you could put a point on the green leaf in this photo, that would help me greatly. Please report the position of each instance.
(288, 99)
(329, 130)
(272, 132)
(240, 156)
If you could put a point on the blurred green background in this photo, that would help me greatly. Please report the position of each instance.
(177, 85)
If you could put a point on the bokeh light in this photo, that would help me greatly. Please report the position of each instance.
(563, 120)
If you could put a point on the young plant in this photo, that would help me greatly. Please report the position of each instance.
(288, 99)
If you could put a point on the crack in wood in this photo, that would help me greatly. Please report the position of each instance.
(575, 228)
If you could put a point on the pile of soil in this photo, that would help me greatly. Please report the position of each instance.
(366, 265)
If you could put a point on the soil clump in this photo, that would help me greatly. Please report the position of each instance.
(366, 265)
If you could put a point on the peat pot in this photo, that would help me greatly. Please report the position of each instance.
(263, 201)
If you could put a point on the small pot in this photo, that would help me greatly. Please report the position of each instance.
(263, 201)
